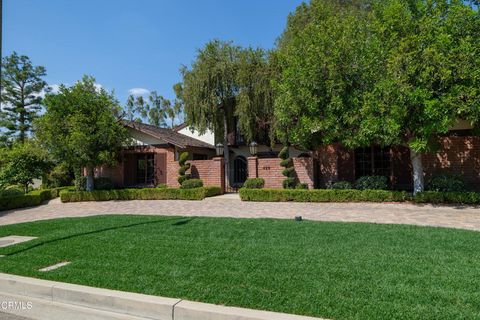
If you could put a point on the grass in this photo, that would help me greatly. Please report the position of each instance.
(324, 269)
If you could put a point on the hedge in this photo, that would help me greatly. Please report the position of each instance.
(212, 191)
(322, 195)
(448, 197)
(134, 194)
(33, 198)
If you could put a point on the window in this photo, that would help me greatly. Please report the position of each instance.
(197, 156)
(373, 160)
(145, 168)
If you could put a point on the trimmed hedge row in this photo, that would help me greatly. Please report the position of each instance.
(448, 197)
(322, 195)
(212, 191)
(139, 194)
(31, 199)
(350, 195)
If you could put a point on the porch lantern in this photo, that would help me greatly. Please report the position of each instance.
(253, 148)
(219, 149)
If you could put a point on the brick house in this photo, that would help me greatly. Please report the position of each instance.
(151, 159)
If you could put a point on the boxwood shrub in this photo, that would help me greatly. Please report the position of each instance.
(448, 197)
(192, 184)
(254, 183)
(134, 194)
(322, 195)
(212, 191)
(33, 198)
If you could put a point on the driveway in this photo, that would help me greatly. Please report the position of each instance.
(231, 206)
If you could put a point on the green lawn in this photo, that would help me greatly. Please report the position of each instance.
(332, 270)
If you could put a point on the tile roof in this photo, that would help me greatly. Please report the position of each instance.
(168, 135)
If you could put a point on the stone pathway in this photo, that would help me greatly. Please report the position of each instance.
(231, 206)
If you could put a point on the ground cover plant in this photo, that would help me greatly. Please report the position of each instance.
(324, 269)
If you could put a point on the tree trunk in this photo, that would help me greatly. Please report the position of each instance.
(90, 183)
(417, 171)
(25, 188)
(226, 152)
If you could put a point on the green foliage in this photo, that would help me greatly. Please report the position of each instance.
(212, 191)
(80, 183)
(283, 154)
(227, 81)
(184, 167)
(289, 171)
(60, 176)
(254, 183)
(446, 183)
(103, 183)
(21, 85)
(341, 185)
(371, 183)
(302, 186)
(80, 126)
(33, 198)
(23, 163)
(11, 192)
(23, 201)
(322, 195)
(192, 184)
(471, 198)
(134, 194)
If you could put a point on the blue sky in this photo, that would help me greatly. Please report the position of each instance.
(130, 44)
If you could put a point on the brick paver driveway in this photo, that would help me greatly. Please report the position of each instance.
(403, 213)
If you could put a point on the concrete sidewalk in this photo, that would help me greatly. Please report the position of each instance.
(230, 206)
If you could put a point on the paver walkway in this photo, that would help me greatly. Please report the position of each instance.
(231, 206)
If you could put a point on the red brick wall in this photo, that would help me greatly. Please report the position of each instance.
(270, 170)
(210, 171)
(458, 155)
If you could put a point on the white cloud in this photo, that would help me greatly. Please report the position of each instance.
(139, 91)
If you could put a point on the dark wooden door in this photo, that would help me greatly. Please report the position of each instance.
(160, 168)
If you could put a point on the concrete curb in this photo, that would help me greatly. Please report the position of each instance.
(57, 300)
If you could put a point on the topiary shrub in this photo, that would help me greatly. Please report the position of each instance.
(184, 166)
(446, 183)
(289, 171)
(103, 183)
(192, 183)
(341, 185)
(254, 183)
(371, 183)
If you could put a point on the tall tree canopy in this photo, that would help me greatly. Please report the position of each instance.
(225, 84)
(22, 84)
(80, 127)
(383, 72)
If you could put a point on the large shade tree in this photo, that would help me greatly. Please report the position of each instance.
(22, 84)
(378, 72)
(80, 127)
(227, 83)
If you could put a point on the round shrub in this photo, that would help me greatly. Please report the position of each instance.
(103, 183)
(446, 183)
(372, 183)
(289, 171)
(254, 183)
(192, 183)
(341, 185)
